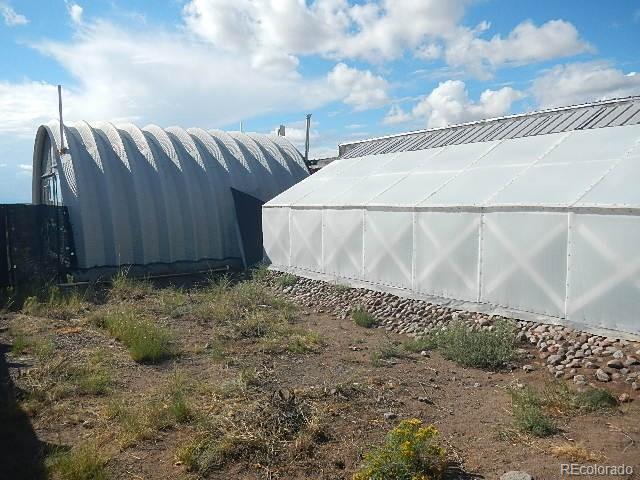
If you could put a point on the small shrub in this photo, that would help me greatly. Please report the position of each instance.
(387, 350)
(478, 348)
(260, 272)
(529, 414)
(146, 341)
(341, 288)
(362, 318)
(410, 452)
(286, 280)
(83, 462)
(562, 398)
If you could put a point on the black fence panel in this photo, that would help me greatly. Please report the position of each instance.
(37, 244)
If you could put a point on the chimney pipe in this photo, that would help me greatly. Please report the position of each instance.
(63, 149)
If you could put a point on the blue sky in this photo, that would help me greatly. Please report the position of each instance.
(363, 68)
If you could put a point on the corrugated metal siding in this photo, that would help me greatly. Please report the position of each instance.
(612, 113)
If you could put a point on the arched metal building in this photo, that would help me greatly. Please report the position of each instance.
(166, 199)
(535, 215)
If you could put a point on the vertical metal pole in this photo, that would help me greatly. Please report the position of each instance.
(306, 139)
(62, 147)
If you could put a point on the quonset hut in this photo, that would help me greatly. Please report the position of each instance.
(161, 200)
(536, 216)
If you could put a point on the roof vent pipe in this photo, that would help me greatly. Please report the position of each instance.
(281, 131)
(306, 140)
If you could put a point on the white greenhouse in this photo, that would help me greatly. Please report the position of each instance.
(164, 200)
(535, 216)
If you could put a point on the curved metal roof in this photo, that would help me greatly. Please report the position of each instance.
(159, 196)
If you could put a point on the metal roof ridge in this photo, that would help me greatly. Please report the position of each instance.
(630, 98)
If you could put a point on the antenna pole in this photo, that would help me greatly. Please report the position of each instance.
(63, 149)
(306, 139)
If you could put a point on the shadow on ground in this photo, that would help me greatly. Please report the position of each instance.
(21, 452)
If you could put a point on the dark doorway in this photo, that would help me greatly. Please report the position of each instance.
(249, 215)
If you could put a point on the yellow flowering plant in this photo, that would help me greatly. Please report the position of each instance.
(411, 452)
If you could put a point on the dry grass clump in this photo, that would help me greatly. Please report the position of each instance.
(141, 418)
(411, 452)
(57, 377)
(575, 453)
(52, 302)
(259, 431)
(82, 462)
(126, 287)
(250, 311)
(146, 341)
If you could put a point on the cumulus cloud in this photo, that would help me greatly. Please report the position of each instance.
(526, 43)
(361, 89)
(371, 30)
(11, 17)
(583, 82)
(375, 31)
(449, 103)
(154, 76)
(75, 12)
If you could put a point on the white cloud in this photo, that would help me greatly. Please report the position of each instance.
(23, 106)
(360, 88)
(583, 82)
(75, 12)
(373, 30)
(162, 77)
(397, 115)
(11, 17)
(25, 167)
(526, 43)
(449, 103)
(2, 165)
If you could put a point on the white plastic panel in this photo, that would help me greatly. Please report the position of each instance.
(619, 188)
(388, 244)
(520, 151)
(275, 228)
(552, 184)
(524, 261)
(365, 190)
(408, 161)
(604, 278)
(456, 157)
(446, 246)
(306, 239)
(299, 190)
(412, 189)
(342, 243)
(596, 144)
(474, 186)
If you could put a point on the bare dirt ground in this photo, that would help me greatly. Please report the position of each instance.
(354, 399)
